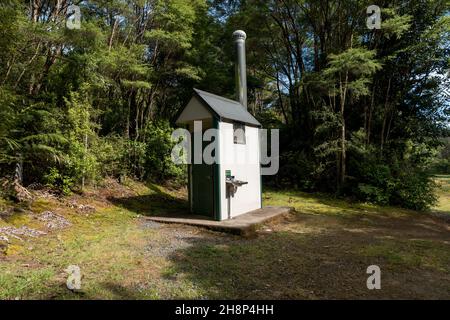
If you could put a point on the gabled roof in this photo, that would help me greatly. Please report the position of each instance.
(226, 109)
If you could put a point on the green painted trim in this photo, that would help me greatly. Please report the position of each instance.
(191, 207)
(261, 186)
(260, 175)
(190, 194)
(217, 193)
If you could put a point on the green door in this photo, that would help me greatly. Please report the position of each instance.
(203, 189)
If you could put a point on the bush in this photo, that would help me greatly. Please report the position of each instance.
(148, 158)
(296, 170)
(376, 183)
(112, 155)
(158, 161)
(441, 166)
(414, 190)
(404, 184)
(57, 181)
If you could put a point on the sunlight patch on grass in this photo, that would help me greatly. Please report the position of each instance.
(106, 245)
(319, 204)
(24, 283)
(411, 253)
(443, 193)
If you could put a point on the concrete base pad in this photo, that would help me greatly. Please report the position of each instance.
(245, 224)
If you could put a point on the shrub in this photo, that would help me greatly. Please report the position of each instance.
(296, 170)
(57, 181)
(401, 184)
(441, 166)
(147, 158)
(414, 190)
(158, 161)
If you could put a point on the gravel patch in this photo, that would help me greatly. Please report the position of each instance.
(53, 220)
(171, 238)
(81, 208)
(148, 224)
(22, 231)
(170, 241)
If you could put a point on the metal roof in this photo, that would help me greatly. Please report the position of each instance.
(226, 108)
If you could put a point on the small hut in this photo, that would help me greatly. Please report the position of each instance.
(230, 186)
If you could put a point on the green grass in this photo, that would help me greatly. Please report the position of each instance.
(412, 253)
(105, 246)
(443, 193)
(321, 204)
(30, 283)
(321, 251)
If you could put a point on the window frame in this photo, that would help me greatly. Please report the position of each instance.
(237, 126)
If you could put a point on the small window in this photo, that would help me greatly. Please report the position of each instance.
(238, 133)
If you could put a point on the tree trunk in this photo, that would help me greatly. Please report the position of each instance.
(113, 31)
(343, 152)
(280, 97)
(83, 178)
(18, 171)
(386, 113)
(343, 96)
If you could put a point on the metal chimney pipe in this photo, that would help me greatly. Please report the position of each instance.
(241, 67)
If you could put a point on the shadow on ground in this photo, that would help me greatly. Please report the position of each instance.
(315, 263)
(156, 203)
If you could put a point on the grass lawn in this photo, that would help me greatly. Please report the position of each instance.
(320, 251)
(443, 193)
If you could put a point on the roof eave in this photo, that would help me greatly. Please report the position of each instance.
(206, 105)
(220, 118)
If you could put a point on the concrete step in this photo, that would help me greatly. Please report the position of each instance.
(245, 224)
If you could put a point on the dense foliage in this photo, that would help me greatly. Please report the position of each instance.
(361, 111)
(441, 163)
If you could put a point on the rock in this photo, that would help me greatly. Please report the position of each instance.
(81, 208)
(74, 278)
(54, 221)
(22, 231)
(85, 208)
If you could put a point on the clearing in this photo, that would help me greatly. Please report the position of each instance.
(321, 251)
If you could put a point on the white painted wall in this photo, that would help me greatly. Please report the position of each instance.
(243, 161)
(194, 110)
